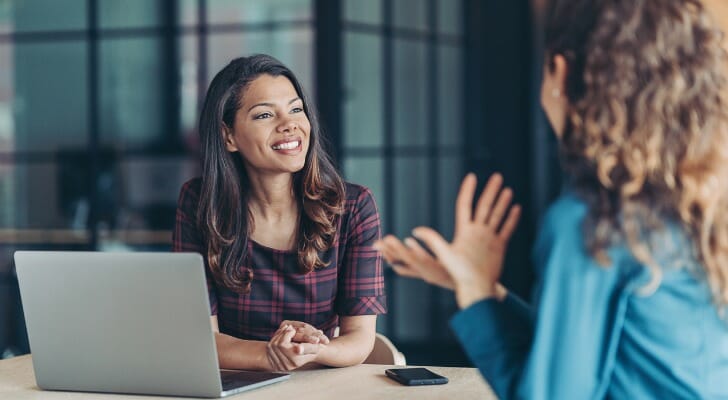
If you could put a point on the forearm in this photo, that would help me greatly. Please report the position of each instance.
(348, 349)
(234, 353)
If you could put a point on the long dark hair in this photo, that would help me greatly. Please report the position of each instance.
(224, 216)
(647, 126)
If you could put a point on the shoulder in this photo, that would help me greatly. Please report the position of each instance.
(189, 194)
(357, 197)
(560, 235)
(565, 214)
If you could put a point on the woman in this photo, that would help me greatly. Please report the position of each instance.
(286, 243)
(633, 258)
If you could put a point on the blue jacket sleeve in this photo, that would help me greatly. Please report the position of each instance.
(496, 336)
(569, 350)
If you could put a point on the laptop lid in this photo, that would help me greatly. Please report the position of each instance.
(120, 323)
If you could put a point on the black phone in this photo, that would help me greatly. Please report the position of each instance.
(415, 376)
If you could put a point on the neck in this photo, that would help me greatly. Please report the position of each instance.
(272, 197)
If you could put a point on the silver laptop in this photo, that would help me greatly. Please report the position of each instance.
(124, 323)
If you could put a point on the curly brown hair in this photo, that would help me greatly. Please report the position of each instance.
(647, 126)
(223, 215)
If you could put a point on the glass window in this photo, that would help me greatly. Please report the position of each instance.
(413, 316)
(368, 172)
(251, 11)
(47, 15)
(293, 47)
(188, 12)
(412, 198)
(189, 89)
(411, 14)
(6, 20)
(366, 11)
(131, 91)
(450, 96)
(450, 16)
(130, 13)
(363, 90)
(411, 92)
(50, 103)
(450, 175)
(7, 94)
(45, 195)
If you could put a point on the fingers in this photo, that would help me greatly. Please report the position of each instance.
(433, 240)
(398, 251)
(501, 206)
(306, 333)
(464, 202)
(485, 202)
(511, 222)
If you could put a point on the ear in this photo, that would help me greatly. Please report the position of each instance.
(556, 72)
(229, 138)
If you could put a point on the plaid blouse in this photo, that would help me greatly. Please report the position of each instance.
(352, 284)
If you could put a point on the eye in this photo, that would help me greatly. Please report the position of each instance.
(263, 115)
(296, 110)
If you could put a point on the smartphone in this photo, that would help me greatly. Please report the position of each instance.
(415, 376)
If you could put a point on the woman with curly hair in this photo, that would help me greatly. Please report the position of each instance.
(286, 243)
(632, 259)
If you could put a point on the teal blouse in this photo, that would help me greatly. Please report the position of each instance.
(600, 332)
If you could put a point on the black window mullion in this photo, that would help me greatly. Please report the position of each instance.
(93, 122)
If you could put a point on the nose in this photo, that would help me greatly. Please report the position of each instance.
(287, 125)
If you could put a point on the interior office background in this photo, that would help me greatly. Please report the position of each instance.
(99, 101)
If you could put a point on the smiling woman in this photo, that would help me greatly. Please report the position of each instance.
(286, 243)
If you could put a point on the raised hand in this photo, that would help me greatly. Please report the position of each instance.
(474, 259)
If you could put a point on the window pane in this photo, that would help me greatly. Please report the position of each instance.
(367, 11)
(6, 22)
(411, 91)
(411, 14)
(368, 172)
(188, 12)
(247, 11)
(363, 90)
(450, 17)
(412, 196)
(46, 15)
(450, 175)
(44, 195)
(412, 310)
(130, 13)
(151, 187)
(189, 89)
(293, 47)
(131, 91)
(51, 104)
(7, 95)
(450, 96)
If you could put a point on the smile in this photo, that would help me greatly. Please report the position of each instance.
(287, 145)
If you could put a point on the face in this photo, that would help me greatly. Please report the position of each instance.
(271, 130)
(553, 93)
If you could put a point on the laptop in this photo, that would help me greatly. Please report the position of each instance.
(124, 323)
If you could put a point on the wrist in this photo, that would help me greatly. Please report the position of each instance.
(470, 293)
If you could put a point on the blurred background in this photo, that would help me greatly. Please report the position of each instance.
(99, 101)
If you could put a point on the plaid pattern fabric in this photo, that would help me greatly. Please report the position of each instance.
(352, 284)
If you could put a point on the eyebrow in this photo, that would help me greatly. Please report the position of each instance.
(271, 104)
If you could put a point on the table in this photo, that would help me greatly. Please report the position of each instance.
(367, 381)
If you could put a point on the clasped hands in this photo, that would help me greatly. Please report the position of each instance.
(472, 263)
(294, 345)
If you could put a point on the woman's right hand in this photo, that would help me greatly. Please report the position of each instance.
(286, 355)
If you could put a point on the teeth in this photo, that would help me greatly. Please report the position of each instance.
(287, 145)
